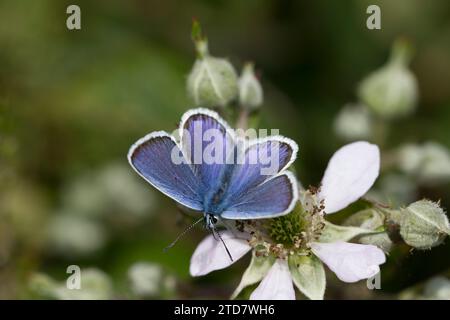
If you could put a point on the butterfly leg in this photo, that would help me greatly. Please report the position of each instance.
(210, 225)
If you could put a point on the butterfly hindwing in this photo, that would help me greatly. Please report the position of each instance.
(263, 159)
(274, 197)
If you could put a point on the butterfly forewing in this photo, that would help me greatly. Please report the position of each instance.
(208, 144)
(152, 158)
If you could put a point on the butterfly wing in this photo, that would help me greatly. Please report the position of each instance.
(152, 158)
(274, 197)
(257, 189)
(207, 141)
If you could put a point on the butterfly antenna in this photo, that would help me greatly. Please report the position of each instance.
(182, 234)
(223, 242)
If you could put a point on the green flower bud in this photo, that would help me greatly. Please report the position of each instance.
(95, 285)
(423, 224)
(69, 234)
(430, 163)
(391, 91)
(212, 81)
(353, 122)
(149, 280)
(410, 157)
(42, 286)
(250, 90)
(437, 288)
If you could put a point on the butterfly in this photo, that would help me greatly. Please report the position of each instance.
(229, 187)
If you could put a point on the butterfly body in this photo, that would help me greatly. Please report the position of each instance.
(215, 200)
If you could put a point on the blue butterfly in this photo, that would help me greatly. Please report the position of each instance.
(222, 189)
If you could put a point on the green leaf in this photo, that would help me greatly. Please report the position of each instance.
(333, 233)
(367, 219)
(258, 268)
(381, 240)
(308, 275)
(371, 219)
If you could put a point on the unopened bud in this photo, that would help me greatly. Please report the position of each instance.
(42, 286)
(437, 288)
(95, 285)
(212, 81)
(150, 280)
(429, 162)
(250, 90)
(391, 91)
(423, 224)
(353, 122)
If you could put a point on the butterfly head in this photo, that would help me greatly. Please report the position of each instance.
(210, 221)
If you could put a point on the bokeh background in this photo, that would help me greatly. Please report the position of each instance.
(72, 103)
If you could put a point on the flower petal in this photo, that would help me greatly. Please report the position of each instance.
(256, 271)
(211, 255)
(351, 172)
(276, 285)
(308, 274)
(350, 262)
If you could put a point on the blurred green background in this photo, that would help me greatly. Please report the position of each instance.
(72, 103)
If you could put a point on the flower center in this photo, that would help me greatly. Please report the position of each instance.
(287, 229)
(289, 234)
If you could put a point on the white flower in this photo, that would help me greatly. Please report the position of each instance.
(276, 285)
(210, 254)
(350, 262)
(350, 174)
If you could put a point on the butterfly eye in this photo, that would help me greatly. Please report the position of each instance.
(214, 219)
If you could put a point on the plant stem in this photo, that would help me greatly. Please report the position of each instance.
(242, 122)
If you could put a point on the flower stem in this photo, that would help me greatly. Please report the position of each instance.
(242, 122)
